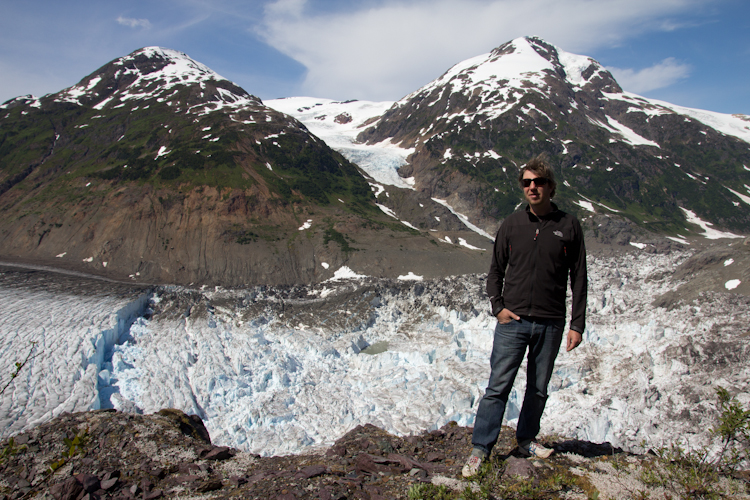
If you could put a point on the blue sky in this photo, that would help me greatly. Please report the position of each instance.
(694, 53)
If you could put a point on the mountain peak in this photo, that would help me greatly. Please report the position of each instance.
(168, 62)
(576, 70)
(513, 67)
(153, 73)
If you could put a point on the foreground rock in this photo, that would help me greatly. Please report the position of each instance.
(108, 454)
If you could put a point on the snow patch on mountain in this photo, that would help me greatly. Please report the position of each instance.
(741, 196)
(464, 219)
(734, 125)
(732, 284)
(464, 243)
(627, 134)
(585, 204)
(708, 232)
(345, 273)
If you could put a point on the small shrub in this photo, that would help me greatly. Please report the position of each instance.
(74, 447)
(246, 237)
(332, 235)
(10, 450)
(734, 431)
(425, 491)
(19, 366)
(170, 173)
(698, 473)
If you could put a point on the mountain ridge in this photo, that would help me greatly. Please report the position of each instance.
(156, 168)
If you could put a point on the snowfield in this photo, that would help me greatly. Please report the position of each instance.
(284, 370)
(338, 124)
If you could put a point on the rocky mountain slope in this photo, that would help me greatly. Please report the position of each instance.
(157, 168)
(615, 153)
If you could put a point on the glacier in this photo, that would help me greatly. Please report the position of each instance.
(338, 124)
(279, 370)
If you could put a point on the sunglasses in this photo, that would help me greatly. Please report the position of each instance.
(538, 181)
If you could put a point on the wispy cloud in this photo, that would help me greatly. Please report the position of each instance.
(134, 23)
(387, 49)
(658, 76)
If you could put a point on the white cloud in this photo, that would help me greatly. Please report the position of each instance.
(134, 23)
(388, 49)
(658, 76)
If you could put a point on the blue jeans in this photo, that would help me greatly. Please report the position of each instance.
(543, 338)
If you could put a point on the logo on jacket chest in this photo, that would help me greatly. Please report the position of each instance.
(558, 234)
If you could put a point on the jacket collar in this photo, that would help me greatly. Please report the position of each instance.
(552, 214)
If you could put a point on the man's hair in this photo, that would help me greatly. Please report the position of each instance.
(540, 166)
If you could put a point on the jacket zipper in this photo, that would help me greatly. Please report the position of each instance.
(533, 275)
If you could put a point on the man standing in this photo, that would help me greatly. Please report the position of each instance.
(535, 251)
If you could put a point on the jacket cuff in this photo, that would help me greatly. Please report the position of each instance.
(497, 304)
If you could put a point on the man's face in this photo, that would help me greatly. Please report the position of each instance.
(537, 196)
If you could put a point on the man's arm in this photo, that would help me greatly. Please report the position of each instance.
(578, 285)
(496, 275)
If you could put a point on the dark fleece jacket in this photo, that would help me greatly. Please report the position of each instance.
(531, 262)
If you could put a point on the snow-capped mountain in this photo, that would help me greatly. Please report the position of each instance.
(158, 169)
(614, 152)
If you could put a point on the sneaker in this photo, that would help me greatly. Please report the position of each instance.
(534, 449)
(472, 464)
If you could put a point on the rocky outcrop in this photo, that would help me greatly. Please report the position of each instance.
(107, 454)
(227, 237)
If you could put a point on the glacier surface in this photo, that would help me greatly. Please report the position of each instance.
(287, 370)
